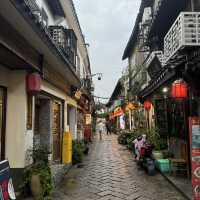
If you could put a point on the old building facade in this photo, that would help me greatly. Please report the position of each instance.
(42, 62)
(169, 45)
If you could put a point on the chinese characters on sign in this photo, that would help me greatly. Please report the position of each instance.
(194, 123)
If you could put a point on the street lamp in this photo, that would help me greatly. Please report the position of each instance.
(100, 75)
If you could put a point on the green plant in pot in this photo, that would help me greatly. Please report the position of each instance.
(155, 139)
(78, 149)
(37, 180)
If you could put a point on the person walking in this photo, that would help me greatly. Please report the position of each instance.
(108, 127)
(100, 129)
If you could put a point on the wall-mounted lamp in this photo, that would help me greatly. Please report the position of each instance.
(165, 90)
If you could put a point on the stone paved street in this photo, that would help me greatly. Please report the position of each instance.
(109, 173)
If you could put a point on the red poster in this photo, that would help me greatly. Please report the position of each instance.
(194, 123)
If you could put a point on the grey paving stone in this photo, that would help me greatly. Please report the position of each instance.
(109, 173)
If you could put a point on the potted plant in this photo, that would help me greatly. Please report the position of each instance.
(37, 177)
(154, 138)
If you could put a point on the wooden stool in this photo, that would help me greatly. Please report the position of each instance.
(181, 165)
(178, 166)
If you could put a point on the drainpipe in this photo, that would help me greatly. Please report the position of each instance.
(192, 5)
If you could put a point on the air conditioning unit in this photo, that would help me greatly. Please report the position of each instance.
(185, 32)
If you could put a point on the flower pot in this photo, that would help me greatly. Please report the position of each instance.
(157, 155)
(35, 186)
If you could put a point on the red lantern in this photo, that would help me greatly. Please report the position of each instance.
(33, 83)
(179, 90)
(147, 105)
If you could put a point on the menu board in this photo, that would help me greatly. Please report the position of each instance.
(194, 124)
(6, 187)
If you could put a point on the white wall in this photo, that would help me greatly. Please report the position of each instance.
(43, 4)
(16, 116)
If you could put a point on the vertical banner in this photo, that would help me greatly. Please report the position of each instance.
(122, 122)
(194, 125)
(6, 187)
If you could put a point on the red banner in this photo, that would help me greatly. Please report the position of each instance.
(194, 124)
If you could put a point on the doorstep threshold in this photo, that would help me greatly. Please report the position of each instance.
(178, 187)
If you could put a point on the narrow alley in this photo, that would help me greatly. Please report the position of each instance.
(109, 172)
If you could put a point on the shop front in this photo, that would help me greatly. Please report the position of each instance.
(171, 103)
(48, 125)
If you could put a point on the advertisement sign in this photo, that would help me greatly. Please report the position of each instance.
(118, 112)
(78, 94)
(194, 124)
(6, 187)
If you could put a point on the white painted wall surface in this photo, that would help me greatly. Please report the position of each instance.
(16, 116)
(43, 4)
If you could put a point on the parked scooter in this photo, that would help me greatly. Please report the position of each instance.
(144, 155)
(146, 160)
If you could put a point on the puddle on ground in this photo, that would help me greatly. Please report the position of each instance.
(70, 183)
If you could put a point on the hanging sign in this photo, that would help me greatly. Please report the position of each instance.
(88, 119)
(78, 94)
(194, 124)
(118, 112)
(6, 187)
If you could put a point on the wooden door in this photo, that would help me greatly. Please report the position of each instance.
(2, 122)
(56, 131)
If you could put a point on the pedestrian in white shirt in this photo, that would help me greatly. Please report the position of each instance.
(101, 126)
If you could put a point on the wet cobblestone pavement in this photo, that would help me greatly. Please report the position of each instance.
(109, 173)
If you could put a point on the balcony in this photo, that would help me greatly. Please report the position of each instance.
(184, 33)
(66, 40)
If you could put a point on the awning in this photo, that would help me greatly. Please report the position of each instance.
(164, 77)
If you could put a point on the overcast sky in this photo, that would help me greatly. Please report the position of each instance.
(107, 25)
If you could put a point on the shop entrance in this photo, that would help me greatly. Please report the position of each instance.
(2, 122)
(48, 125)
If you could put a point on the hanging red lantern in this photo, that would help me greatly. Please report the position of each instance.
(179, 90)
(33, 83)
(147, 105)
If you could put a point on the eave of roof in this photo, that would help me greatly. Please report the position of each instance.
(133, 38)
(117, 88)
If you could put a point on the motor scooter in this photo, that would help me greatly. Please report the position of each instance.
(146, 161)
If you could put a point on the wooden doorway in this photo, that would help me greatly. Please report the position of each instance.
(2, 121)
(56, 131)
